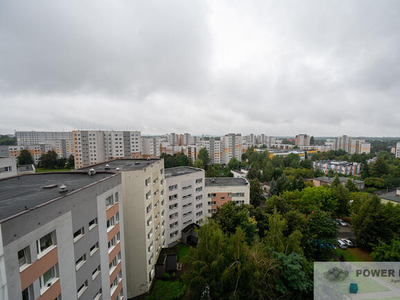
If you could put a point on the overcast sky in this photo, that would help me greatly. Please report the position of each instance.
(325, 68)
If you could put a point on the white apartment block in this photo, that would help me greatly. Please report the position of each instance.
(221, 190)
(214, 149)
(185, 201)
(144, 217)
(349, 145)
(151, 147)
(60, 237)
(60, 142)
(397, 150)
(231, 145)
(92, 147)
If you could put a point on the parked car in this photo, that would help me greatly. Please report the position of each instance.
(348, 243)
(342, 245)
(343, 223)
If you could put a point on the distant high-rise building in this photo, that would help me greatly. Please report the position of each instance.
(151, 147)
(96, 146)
(302, 140)
(231, 145)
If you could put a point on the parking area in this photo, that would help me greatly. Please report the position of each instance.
(345, 232)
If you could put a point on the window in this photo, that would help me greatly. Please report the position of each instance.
(199, 197)
(148, 195)
(96, 272)
(149, 221)
(24, 257)
(79, 234)
(200, 213)
(187, 205)
(199, 180)
(161, 171)
(98, 295)
(173, 187)
(147, 181)
(212, 202)
(27, 294)
(187, 196)
(173, 206)
(148, 208)
(199, 189)
(93, 224)
(111, 244)
(82, 288)
(48, 278)
(109, 201)
(199, 205)
(94, 248)
(173, 216)
(117, 217)
(118, 236)
(110, 223)
(112, 265)
(188, 222)
(187, 187)
(175, 233)
(113, 285)
(116, 197)
(150, 247)
(79, 263)
(173, 197)
(187, 214)
(173, 224)
(212, 195)
(45, 242)
(150, 234)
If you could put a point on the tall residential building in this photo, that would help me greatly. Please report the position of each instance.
(232, 147)
(221, 190)
(302, 140)
(348, 144)
(144, 217)
(214, 149)
(36, 151)
(397, 150)
(151, 147)
(185, 200)
(96, 146)
(60, 142)
(61, 237)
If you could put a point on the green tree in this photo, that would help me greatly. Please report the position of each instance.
(61, 162)
(204, 156)
(379, 168)
(322, 232)
(198, 163)
(234, 164)
(182, 160)
(5, 140)
(336, 182)
(210, 172)
(25, 158)
(71, 162)
(255, 192)
(351, 186)
(273, 189)
(49, 160)
(385, 252)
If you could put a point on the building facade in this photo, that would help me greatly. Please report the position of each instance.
(231, 145)
(185, 201)
(221, 190)
(8, 167)
(61, 237)
(143, 189)
(340, 167)
(95, 146)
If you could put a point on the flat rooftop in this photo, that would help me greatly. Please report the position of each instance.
(123, 164)
(226, 181)
(178, 171)
(19, 192)
(391, 197)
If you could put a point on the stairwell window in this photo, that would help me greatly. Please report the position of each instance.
(24, 258)
(79, 234)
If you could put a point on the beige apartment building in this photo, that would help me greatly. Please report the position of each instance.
(231, 145)
(144, 217)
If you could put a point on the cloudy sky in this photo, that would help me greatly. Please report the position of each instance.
(325, 68)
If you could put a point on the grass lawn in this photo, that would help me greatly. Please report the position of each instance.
(183, 251)
(166, 290)
(353, 254)
(42, 170)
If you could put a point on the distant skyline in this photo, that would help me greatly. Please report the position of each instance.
(325, 68)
